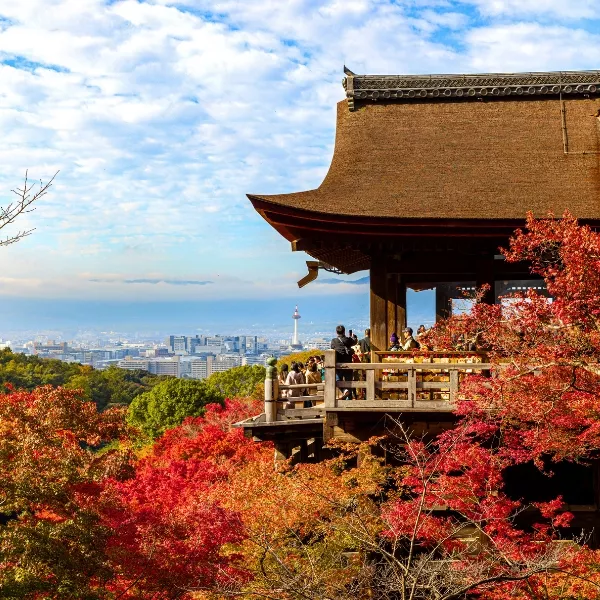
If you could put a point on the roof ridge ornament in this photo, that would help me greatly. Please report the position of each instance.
(373, 88)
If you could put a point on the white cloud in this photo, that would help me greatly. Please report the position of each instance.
(564, 9)
(532, 47)
(162, 114)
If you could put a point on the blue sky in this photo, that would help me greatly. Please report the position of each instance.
(162, 115)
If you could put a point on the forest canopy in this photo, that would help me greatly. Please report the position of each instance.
(112, 386)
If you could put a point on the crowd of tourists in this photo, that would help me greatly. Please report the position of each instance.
(298, 374)
(348, 348)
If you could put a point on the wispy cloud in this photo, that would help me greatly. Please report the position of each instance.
(153, 281)
(564, 9)
(333, 281)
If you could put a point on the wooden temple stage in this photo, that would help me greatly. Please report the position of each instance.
(431, 174)
(420, 388)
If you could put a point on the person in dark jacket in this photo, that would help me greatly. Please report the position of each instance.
(365, 352)
(365, 346)
(343, 354)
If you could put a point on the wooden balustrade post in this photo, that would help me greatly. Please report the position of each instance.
(453, 384)
(271, 391)
(370, 385)
(330, 390)
(412, 386)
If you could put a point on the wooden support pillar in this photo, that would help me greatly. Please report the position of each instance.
(282, 453)
(303, 451)
(442, 302)
(330, 426)
(400, 307)
(486, 275)
(378, 304)
(271, 391)
(388, 304)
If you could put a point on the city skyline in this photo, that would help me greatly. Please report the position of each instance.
(162, 115)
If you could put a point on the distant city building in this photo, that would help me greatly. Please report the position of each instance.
(318, 344)
(201, 368)
(165, 366)
(157, 366)
(224, 362)
(259, 359)
(131, 364)
(184, 344)
(50, 348)
(177, 344)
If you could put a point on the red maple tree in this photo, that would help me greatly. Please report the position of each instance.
(171, 534)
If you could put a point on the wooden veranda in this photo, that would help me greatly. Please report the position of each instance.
(423, 386)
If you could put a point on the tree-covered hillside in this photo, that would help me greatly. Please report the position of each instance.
(112, 386)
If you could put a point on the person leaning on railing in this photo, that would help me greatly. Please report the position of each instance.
(295, 377)
(394, 343)
(364, 347)
(312, 376)
(283, 373)
(409, 341)
(421, 334)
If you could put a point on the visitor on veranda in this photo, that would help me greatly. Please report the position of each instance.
(409, 341)
(343, 354)
(365, 346)
(395, 345)
(421, 333)
(283, 373)
(313, 376)
(295, 377)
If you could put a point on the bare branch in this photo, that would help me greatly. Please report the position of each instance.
(26, 197)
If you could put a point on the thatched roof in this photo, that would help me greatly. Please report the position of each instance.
(453, 155)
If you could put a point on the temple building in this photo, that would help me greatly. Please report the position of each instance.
(432, 173)
(430, 176)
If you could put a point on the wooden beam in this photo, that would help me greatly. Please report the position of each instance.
(330, 392)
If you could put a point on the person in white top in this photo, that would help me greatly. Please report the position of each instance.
(295, 377)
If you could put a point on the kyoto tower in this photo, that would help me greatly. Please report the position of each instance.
(296, 316)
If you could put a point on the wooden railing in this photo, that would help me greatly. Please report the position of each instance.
(394, 380)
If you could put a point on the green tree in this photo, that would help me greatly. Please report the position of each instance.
(110, 387)
(118, 387)
(300, 357)
(239, 382)
(169, 403)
